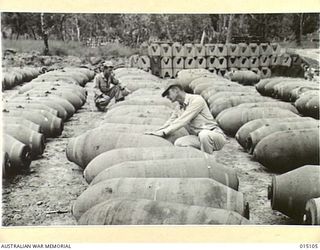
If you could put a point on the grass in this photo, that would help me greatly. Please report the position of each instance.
(73, 48)
(304, 45)
(69, 48)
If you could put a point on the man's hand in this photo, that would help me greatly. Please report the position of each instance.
(125, 91)
(156, 133)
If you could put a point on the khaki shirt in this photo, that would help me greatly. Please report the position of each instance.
(193, 114)
(103, 84)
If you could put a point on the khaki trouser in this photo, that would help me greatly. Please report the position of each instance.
(207, 141)
(103, 100)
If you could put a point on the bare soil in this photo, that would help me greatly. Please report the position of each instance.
(44, 195)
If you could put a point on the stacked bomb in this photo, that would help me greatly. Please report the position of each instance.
(297, 194)
(289, 144)
(132, 175)
(244, 77)
(242, 111)
(134, 79)
(233, 104)
(167, 59)
(186, 76)
(312, 212)
(16, 76)
(274, 142)
(279, 139)
(264, 126)
(308, 103)
(38, 112)
(304, 93)
(142, 111)
(267, 128)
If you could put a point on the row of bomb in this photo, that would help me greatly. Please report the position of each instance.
(15, 76)
(38, 112)
(132, 174)
(269, 129)
(304, 94)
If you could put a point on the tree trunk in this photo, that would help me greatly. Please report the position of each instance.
(166, 21)
(225, 18)
(220, 23)
(300, 28)
(264, 27)
(78, 28)
(33, 34)
(44, 34)
(202, 37)
(72, 33)
(62, 30)
(214, 22)
(230, 26)
(168, 32)
(65, 32)
(241, 24)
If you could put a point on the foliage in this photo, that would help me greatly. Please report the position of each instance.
(70, 48)
(133, 29)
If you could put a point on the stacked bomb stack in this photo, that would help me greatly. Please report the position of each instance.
(132, 175)
(297, 194)
(38, 112)
(304, 94)
(273, 131)
(241, 111)
(16, 76)
(167, 59)
(273, 140)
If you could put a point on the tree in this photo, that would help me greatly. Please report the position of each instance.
(133, 29)
(77, 24)
(297, 26)
(44, 32)
(230, 27)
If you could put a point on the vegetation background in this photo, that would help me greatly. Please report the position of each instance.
(122, 34)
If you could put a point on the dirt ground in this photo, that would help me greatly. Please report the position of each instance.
(44, 196)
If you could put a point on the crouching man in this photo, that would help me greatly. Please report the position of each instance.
(107, 87)
(195, 116)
